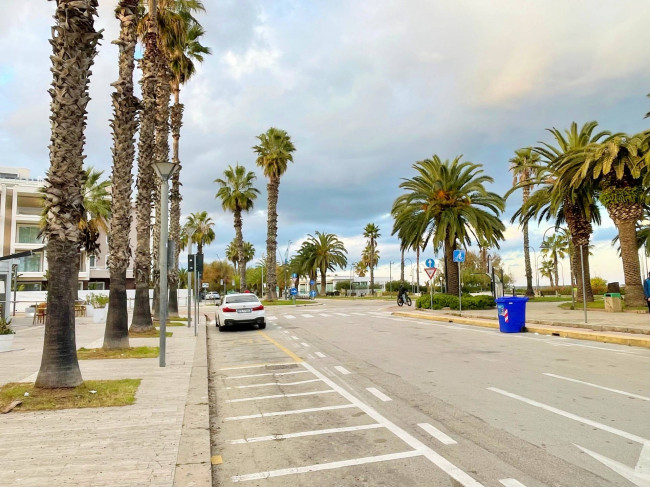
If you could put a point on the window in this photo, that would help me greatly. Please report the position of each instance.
(30, 263)
(96, 286)
(28, 234)
(92, 261)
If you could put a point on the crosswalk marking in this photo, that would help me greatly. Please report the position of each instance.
(290, 317)
(307, 316)
(271, 318)
(342, 314)
(321, 355)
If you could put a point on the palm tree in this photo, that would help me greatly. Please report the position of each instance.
(328, 253)
(451, 205)
(232, 253)
(203, 231)
(546, 269)
(238, 194)
(97, 209)
(125, 125)
(522, 167)
(556, 247)
(304, 262)
(360, 268)
(620, 168)
(371, 232)
(74, 45)
(274, 152)
(369, 259)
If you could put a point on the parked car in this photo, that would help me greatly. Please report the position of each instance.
(240, 308)
(212, 295)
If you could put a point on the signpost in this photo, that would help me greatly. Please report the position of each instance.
(431, 271)
(459, 256)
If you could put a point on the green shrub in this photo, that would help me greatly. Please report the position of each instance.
(5, 327)
(97, 300)
(451, 301)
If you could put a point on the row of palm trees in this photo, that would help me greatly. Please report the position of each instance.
(171, 38)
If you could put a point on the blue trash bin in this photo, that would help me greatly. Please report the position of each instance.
(512, 313)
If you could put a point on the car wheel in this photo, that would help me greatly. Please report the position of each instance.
(262, 326)
(221, 328)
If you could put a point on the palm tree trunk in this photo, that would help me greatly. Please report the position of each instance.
(239, 238)
(323, 282)
(417, 268)
(529, 271)
(451, 269)
(155, 249)
(74, 45)
(125, 125)
(401, 270)
(372, 266)
(176, 116)
(272, 187)
(555, 266)
(580, 229)
(631, 267)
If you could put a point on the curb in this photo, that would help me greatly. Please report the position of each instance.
(620, 338)
(193, 467)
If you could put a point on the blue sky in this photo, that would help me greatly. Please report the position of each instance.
(365, 89)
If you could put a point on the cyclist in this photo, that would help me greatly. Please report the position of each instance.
(401, 292)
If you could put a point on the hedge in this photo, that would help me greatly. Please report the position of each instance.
(440, 301)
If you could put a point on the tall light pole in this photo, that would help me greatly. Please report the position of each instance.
(411, 263)
(164, 171)
(351, 276)
(190, 231)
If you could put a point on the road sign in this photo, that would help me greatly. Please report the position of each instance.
(312, 293)
(430, 263)
(431, 271)
(205, 285)
(294, 275)
(312, 282)
(293, 291)
(459, 256)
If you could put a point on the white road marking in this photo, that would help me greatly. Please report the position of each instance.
(437, 434)
(324, 315)
(256, 366)
(310, 356)
(342, 314)
(580, 419)
(286, 331)
(275, 396)
(266, 374)
(617, 391)
(342, 370)
(307, 316)
(325, 466)
(272, 318)
(306, 345)
(290, 317)
(359, 314)
(321, 355)
(275, 384)
(511, 483)
(636, 476)
(306, 433)
(289, 412)
(295, 337)
(377, 393)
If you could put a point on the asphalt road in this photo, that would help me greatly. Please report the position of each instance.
(345, 394)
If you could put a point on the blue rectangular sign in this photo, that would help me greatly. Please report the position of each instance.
(459, 256)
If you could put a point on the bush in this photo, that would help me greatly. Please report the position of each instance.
(451, 301)
(97, 300)
(5, 327)
(598, 285)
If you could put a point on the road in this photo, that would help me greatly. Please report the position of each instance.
(346, 394)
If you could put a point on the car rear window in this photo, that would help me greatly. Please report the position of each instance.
(242, 299)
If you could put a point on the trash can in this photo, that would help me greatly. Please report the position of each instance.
(613, 303)
(512, 313)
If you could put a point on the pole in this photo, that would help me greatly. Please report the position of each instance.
(584, 292)
(164, 205)
(460, 293)
(390, 276)
(262, 291)
(196, 295)
(15, 273)
(189, 283)
(431, 284)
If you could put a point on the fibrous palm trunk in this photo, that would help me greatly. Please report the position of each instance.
(529, 271)
(451, 268)
(125, 125)
(625, 217)
(145, 183)
(417, 267)
(175, 199)
(372, 266)
(272, 188)
(401, 267)
(239, 238)
(555, 270)
(155, 249)
(74, 45)
(580, 229)
(323, 281)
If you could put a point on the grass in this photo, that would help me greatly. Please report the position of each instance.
(148, 334)
(132, 352)
(280, 302)
(177, 318)
(107, 393)
(549, 299)
(600, 304)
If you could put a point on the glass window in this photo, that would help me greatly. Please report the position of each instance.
(30, 263)
(96, 286)
(28, 234)
(248, 298)
(92, 261)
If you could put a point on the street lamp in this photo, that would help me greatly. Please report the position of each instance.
(351, 275)
(164, 170)
(411, 263)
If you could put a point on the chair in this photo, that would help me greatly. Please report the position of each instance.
(40, 314)
(79, 309)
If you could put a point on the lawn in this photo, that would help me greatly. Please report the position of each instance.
(90, 394)
(132, 352)
(148, 334)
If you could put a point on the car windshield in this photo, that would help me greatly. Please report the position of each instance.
(249, 298)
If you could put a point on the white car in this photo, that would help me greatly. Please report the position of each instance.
(242, 308)
(213, 295)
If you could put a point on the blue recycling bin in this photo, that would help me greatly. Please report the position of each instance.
(512, 313)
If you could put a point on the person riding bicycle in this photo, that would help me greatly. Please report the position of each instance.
(401, 292)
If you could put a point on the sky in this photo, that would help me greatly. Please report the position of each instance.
(365, 89)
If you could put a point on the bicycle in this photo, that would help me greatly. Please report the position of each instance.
(401, 300)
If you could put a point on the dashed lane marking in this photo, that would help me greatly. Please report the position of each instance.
(307, 316)
(617, 391)
(276, 396)
(321, 355)
(437, 434)
(294, 337)
(301, 434)
(377, 393)
(290, 317)
(342, 314)
(289, 412)
(342, 370)
(272, 318)
(306, 345)
(323, 315)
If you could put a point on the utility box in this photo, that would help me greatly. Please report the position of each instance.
(613, 303)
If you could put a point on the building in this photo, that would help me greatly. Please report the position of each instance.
(20, 214)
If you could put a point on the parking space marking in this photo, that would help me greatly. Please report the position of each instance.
(325, 466)
(359, 314)
(301, 434)
(437, 434)
(276, 396)
(286, 331)
(289, 412)
(377, 393)
(575, 417)
(256, 366)
(511, 483)
(276, 374)
(617, 391)
(342, 370)
(276, 383)
(321, 355)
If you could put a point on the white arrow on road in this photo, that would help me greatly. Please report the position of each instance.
(639, 476)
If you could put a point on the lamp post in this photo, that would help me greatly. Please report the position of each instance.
(190, 231)
(351, 276)
(164, 171)
(411, 263)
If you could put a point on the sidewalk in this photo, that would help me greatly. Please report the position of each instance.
(161, 440)
(549, 319)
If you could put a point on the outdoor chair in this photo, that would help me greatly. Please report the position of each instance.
(40, 314)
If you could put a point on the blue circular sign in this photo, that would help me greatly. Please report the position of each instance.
(312, 294)
(294, 275)
(430, 263)
(312, 282)
(293, 291)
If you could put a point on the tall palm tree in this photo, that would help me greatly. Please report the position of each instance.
(238, 194)
(555, 246)
(203, 229)
(371, 232)
(274, 152)
(546, 269)
(232, 253)
(304, 262)
(369, 259)
(328, 253)
(125, 125)
(620, 167)
(74, 45)
(452, 206)
(360, 268)
(97, 209)
(522, 167)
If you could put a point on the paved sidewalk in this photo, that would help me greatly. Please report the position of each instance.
(165, 433)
